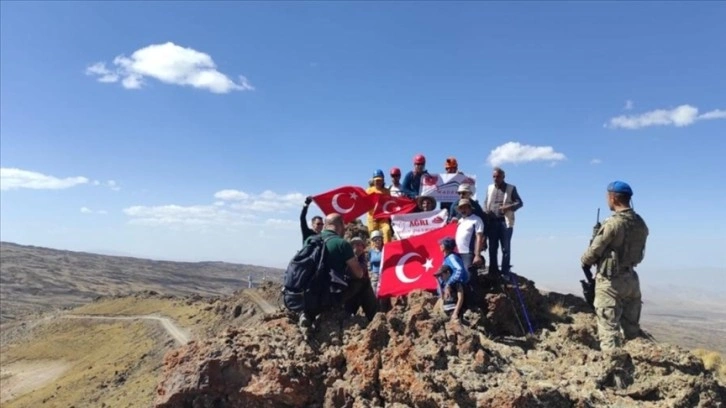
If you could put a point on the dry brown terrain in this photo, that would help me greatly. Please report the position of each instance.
(35, 279)
(111, 350)
(48, 359)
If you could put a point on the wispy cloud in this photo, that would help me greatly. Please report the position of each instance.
(231, 208)
(515, 152)
(86, 210)
(177, 215)
(170, 64)
(683, 115)
(629, 105)
(595, 161)
(13, 178)
(267, 201)
(112, 184)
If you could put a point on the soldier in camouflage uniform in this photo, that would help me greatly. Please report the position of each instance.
(617, 248)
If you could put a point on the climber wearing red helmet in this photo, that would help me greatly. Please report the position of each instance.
(395, 187)
(411, 184)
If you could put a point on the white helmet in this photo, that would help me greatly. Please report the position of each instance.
(376, 234)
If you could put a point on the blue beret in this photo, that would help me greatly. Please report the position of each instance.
(448, 243)
(620, 187)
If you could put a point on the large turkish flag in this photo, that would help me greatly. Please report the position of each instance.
(386, 205)
(349, 201)
(409, 264)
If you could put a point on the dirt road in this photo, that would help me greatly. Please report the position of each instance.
(266, 307)
(180, 335)
(21, 377)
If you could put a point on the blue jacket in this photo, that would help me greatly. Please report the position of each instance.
(458, 272)
(374, 257)
(411, 184)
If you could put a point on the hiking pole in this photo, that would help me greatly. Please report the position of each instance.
(513, 279)
(514, 308)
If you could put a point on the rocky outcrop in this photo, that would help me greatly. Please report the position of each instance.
(413, 356)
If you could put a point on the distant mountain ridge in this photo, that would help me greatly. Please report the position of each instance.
(36, 279)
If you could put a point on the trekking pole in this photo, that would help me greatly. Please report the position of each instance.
(514, 308)
(513, 279)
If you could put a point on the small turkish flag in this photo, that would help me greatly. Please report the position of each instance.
(410, 263)
(385, 205)
(349, 201)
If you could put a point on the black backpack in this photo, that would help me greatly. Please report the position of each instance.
(306, 285)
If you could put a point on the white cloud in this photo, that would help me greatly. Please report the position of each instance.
(282, 223)
(86, 210)
(171, 64)
(267, 201)
(714, 114)
(13, 178)
(514, 152)
(629, 105)
(231, 195)
(103, 73)
(683, 115)
(113, 185)
(595, 161)
(177, 215)
(233, 208)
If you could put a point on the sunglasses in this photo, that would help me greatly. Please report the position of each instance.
(396, 175)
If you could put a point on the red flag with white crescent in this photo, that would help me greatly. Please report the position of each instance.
(385, 205)
(409, 264)
(349, 201)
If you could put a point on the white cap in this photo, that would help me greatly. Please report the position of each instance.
(464, 187)
(376, 234)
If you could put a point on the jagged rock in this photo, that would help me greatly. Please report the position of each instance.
(414, 356)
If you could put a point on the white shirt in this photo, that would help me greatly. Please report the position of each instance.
(468, 226)
(395, 191)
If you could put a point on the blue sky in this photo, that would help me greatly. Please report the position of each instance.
(114, 138)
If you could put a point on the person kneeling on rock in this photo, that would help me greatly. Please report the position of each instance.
(360, 291)
(452, 294)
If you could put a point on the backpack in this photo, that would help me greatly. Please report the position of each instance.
(306, 283)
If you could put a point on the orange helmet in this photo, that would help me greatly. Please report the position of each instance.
(451, 163)
(419, 159)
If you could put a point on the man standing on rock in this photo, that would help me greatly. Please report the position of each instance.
(617, 248)
(501, 202)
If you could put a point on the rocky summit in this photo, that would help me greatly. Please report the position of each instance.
(413, 356)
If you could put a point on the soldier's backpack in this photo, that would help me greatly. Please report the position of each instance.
(306, 283)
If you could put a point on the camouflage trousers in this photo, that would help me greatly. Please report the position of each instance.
(617, 305)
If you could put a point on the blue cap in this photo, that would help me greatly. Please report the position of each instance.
(448, 243)
(620, 187)
(378, 174)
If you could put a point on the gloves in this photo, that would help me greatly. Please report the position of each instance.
(308, 200)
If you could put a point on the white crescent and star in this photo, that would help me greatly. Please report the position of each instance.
(340, 209)
(385, 207)
(401, 275)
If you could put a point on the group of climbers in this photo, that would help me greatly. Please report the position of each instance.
(465, 249)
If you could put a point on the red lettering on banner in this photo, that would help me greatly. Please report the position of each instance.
(418, 223)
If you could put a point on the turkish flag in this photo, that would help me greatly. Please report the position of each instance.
(386, 205)
(349, 201)
(410, 263)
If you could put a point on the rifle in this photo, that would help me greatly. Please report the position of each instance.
(588, 287)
